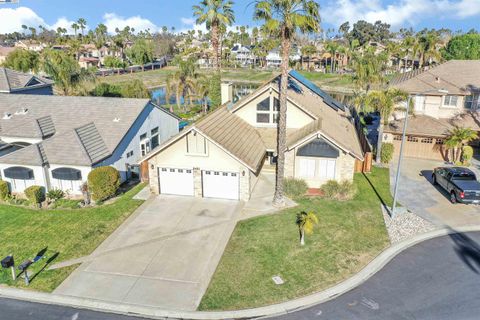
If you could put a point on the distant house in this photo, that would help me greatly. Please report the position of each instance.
(89, 62)
(31, 45)
(4, 52)
(243, 54)
(452, 98)
(55, 141)
(224, 154)
(274, 58)
(13, 82)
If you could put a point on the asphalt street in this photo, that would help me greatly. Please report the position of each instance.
(438, 279)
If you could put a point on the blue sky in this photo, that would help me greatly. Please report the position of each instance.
(453, 14)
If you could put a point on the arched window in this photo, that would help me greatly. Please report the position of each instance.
(67, 174)
(20, 173)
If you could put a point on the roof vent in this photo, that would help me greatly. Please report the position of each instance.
(7, 115)
(437, 79)
(116, 119)
(22, 111)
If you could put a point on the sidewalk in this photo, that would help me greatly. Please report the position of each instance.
(294, 305)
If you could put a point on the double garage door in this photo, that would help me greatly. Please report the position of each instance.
(215, 184)
(420, 147)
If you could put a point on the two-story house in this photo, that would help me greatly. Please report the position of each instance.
(444, 96)
(223, 154)
(55, 141)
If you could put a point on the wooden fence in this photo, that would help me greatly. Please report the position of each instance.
(366, 164)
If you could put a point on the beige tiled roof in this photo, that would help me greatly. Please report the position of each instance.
(457, 76)
(269, 136)
(11, 80)
(235, 135)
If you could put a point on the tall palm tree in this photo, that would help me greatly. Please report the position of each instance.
(305, 221)
(429, 43)
(308, 51)
(385, 102)
(458, 137)
(215, 13)
(82, 24)
(282, 19)
(332, 48)
(75, 28)
(368, 70)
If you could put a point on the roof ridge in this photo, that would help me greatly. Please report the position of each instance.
(6, 79)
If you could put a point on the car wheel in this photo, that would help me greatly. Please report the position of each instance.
(434, 179)
(453, 198)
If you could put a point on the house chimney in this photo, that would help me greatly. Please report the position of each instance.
(226, 92)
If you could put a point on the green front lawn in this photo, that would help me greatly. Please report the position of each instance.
(349, 235)
(65, 233)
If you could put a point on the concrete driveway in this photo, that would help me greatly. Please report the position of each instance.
(163, 256)
(419, 195)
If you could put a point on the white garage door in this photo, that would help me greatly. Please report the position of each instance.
(218, 184)
(176, 181)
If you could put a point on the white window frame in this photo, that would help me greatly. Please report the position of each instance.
(447, 101)
(195, 135)
(272, 112)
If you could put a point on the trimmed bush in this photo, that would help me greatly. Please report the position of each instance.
(294, 187)
(4, 190)
(335, 190)
(103, 182)
(386, 154)
(55, 194)
(467, 155)
(35, 194)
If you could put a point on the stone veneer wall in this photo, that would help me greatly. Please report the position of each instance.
(245, 186)
(153, 177)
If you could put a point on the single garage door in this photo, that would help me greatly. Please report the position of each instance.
(219, 184)
(176, 181)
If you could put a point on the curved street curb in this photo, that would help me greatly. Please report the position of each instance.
(277, 309)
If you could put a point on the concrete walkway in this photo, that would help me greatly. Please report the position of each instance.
(163, 256)
(419, 195)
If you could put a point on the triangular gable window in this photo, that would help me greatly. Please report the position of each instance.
(318, 148)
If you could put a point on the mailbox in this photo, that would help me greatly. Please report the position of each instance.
(24, 265)
(8, 262)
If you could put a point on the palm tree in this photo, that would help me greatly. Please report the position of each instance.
(33, 32)
(25, 28)
(282, 19)
(202, 89)
(385, 102)
(305, 222)
(183, 82)
(368, 70)
(332, 48)
(82, 23)
(75, 28)
(308, 51)
(215, 13)
(428, 47)
(458, 137)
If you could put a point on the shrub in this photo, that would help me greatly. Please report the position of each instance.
(103, 182)
(35, 194)
(55, 194)
(295, 187)
(335, 190)
(467, 154)
(4, 190)
(386, 154)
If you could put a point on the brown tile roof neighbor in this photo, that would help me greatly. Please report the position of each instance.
(11, 80)
(459, 77)
(77, 130)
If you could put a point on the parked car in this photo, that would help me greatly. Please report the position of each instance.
(460, 183)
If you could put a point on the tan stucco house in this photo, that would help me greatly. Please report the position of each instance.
(222, 155)
(452, 99)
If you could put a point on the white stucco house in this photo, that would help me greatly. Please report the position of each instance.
(55, 141)
(223, 154)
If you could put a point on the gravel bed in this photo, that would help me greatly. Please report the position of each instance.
(405, 225)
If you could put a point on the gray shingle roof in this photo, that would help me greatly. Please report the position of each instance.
(11, 80)
(84, 127)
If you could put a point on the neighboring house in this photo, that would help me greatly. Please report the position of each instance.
(274, 58)
(222, 155)
(243, 54)
(88, 62)
(435, 112)
(55, 141)
(13, 82)
(30, 45)
(4, 52)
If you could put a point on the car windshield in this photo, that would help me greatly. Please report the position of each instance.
(464, 176)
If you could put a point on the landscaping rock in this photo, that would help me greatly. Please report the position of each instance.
(405, 225)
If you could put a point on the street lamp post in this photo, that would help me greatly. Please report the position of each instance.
(400, 156)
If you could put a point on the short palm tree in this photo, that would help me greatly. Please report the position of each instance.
(183, 82)
(215, 13)
(458, 137)
(305, 221)
(282, 20)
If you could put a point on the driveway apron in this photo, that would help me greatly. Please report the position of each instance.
(163, 256)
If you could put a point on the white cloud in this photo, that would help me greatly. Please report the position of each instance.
(112, 21)
(11, 20)
(400, 13)
(187, 21)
